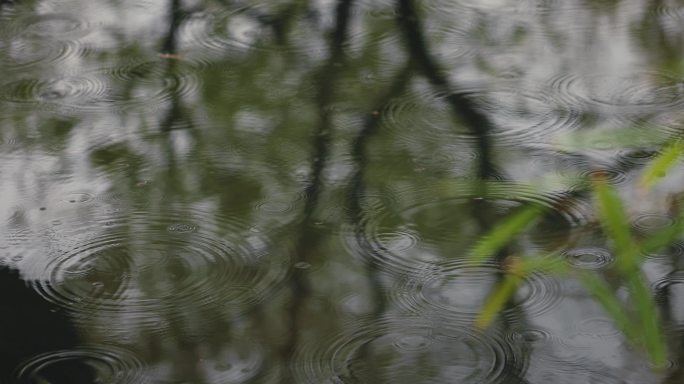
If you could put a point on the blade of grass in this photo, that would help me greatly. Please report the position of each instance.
(616, 224)
(617, 227)
(497, 300)
(662, 164)
(502, 234)
(663, 237)
(613, 307)
(648, 318)
(516, 271)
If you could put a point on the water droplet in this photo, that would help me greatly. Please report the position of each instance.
(589, 257)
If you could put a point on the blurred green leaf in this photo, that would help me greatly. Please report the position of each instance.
(663, 237)
(662, 164)
(501, 295)
(613, 307)
(648, 318)
(503, 233)
(516, 271)
(616, 224)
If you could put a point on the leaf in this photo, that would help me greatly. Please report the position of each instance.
(516, 271)
(648, 318)
(497, 300)
(663, 237)
(504, 233)
(662, 164)
(613, 307)
(616, 224)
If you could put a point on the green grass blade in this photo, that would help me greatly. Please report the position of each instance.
(616, 224)
(662, 164)
(517, 270)
(610, 303)
(502, 234)
(497, 300)
(648, 319)
(663, 237)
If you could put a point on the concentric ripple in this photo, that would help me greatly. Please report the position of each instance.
(141, 263)
(670, 16)
(150, 84)
(96, 364)
(588, 331)
(589, 257)
(609, 176)
(23, 54)
(55, 26)
(495, 6)
(235, 363)
(668, 290)
(420, 227)
(518, 116)
(673, 251)
(77, 91)
(458, 292)
(651, 222)
(255, 28)
(632, 93)
(387, 351)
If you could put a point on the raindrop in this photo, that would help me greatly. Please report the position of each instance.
(589, 258)
(96, 364)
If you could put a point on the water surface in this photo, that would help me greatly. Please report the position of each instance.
(286, 191)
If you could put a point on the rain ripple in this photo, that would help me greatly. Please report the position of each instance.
(589, 257)
(150, 84)
(140, 264)
(389, 350)
(256, 28)
(518, 116)
(68, 91)
(458, 291)
(55, 26)
(417, 227)
(100, 364)
(668, 290)
(632, 93)
(237, 363)
(22, 54)
(652, 222)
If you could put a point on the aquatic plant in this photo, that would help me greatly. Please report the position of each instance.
(638, 318)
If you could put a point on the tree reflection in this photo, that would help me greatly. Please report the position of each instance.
(302, 156)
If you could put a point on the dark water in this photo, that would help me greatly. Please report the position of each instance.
(285, 191)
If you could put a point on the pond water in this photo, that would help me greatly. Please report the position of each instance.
(289, 191)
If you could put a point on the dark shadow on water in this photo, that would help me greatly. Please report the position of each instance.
(31, 326)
